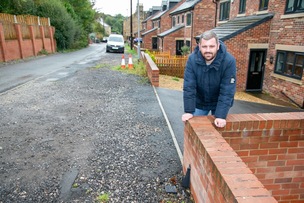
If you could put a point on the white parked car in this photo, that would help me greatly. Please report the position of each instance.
(115, 43)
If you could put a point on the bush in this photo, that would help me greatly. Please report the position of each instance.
(65, 25)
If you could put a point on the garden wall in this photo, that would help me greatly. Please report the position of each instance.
(255, 158)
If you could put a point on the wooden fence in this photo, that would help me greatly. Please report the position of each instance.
(9, 20)
(170, 65)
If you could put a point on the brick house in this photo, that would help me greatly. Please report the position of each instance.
(159, 22)
(148, 27)
(188, 20)
(266, 37)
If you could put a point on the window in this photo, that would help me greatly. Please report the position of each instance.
(224, 10)
(290, 64)
(187, 43)
(183, 18)
(177, 19)
(294, 6)
(263, 5)
(188, 19)
(173, 22)
(159, 24)
(242, 7)
(152, 24)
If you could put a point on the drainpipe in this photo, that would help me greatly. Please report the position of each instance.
(216, 7)
(191, 30)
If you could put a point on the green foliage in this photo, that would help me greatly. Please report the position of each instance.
(17, 7)
(103, 198)
(185, 50)
(65, 26)
(151, 55)
(73, 19)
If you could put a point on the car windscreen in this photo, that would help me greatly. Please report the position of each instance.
(116, 39)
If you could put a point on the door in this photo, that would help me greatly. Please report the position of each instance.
(256, 70)
(154, 43)
(179, 45)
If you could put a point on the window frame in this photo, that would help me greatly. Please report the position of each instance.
(173, 21)
(224, 11)
(263, 5)
(242, 7)
(284, 54)
(188, 19)
(294, 7)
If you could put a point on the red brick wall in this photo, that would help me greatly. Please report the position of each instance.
(251, 8)
(23, 48)
(270, 145)
(170, 41)
(238, 47)
(152, 69)
(147, 39)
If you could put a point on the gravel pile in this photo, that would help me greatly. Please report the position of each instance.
(96, 135)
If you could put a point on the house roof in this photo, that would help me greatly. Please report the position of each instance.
(173, 29)
(158, 15)
(238, 25)
(147, 32)
(186, 6)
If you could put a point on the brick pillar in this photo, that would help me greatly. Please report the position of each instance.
(41, 28)
(32, 33)
(52, 31)
(20, 39)
(3, 56)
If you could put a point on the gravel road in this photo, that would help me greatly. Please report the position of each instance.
(81, 138)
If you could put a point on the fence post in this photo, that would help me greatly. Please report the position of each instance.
(20, 39)
(2, 44)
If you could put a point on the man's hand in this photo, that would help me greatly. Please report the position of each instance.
(219, 122)
(186, 116)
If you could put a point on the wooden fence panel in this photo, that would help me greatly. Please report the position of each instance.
(24, 19)
(172, 66)
(9, 30)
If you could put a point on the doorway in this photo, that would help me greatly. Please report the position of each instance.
(256, 70)
(179, 45)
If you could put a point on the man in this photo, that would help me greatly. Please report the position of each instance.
(209, 80)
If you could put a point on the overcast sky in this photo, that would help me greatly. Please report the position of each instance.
(114, 7)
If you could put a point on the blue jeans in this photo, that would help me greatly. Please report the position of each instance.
(201, 112)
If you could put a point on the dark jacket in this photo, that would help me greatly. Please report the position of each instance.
(210, 87)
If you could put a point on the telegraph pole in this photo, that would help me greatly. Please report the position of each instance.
(138, 37)
(131, 25)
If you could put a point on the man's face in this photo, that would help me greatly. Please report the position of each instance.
(209, 49)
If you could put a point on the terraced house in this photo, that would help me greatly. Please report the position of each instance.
(266, 37)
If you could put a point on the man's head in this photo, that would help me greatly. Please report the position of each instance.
(209, 45)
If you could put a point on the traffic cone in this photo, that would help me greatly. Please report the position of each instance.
(123, 63)
(130, 62)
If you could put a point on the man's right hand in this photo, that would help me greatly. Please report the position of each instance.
(186, 116)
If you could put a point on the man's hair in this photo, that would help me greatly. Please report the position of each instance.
(207, 35)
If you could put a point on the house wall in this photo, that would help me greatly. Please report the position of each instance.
(286, 33)
(252, 8)
(240, 46)
(203, 19)
(170, 41)
(147, 40)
